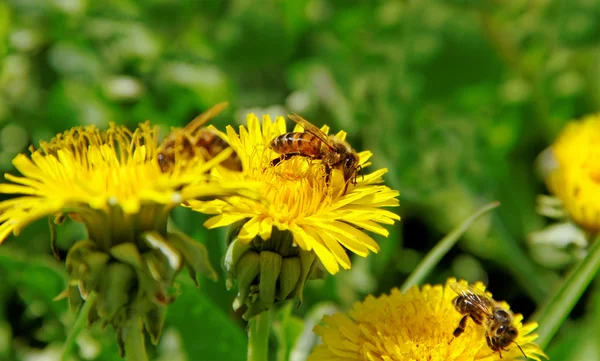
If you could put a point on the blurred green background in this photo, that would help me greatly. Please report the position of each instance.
(456, 98)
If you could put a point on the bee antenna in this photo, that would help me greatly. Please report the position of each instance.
(521, 350)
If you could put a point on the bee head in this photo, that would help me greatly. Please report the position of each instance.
(350, 167)
(505, 335)
(164, 161)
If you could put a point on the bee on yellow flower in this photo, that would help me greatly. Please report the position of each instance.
(417, 325)
(309, 210)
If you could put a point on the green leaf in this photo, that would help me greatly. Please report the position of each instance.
(38, 276)
(554, 312)
(435, 255)
(206, 331)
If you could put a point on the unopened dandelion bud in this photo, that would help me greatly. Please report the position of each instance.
(291, 270)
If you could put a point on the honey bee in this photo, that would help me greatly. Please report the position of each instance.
(483, 310)
(315, 144)
(195, 140)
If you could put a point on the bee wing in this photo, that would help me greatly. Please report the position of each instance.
(478, 298)
(312, 129)
(201, 119)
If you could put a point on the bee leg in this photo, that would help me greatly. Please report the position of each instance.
(345, 188)
(328, 170)
(282, 157)
(491, 345)
(462, 325)
(475, 319)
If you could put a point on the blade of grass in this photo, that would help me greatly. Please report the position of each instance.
(552, 314)
(435, 255)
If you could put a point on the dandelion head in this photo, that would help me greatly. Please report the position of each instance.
(112, 183)
(306, 211)
(417, 325)
(575, 176)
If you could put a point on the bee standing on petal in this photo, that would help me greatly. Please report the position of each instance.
(484, 311)
(315, 144)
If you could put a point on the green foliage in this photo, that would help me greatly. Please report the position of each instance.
(456, 98)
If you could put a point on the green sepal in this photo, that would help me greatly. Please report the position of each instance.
(93, 267)
(254, 308)
(127, 253)
(75, 300)
(154, 320)
(307, 259)
(247, 268)
(156, 241)
(270, 267)
(114, 289)
(291, 269)
(158, 267)
(195, 255)
(120, 340)
(235, 250)
(75, 254)
(93, 316)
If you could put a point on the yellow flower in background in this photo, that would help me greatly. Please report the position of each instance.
(575, 175)
(111, 181)
(296, 198)
(417, 325)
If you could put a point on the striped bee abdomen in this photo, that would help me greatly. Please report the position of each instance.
(297, 143)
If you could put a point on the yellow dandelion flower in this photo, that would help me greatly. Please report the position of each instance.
(87, 172)
(296, 198)
(111, 181)
(417, 325)
(575, 177)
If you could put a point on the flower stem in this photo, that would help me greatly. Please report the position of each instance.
(258, 337)
(551, 315)
(133, 339)
(79, 324)
(435, 255)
